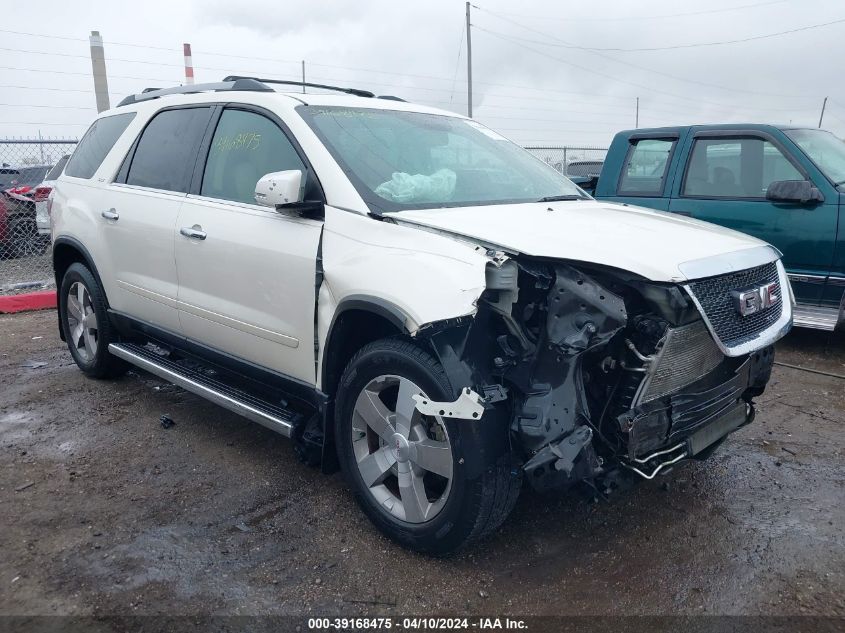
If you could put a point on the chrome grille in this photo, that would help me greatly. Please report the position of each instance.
(687, 354)
(714, 296)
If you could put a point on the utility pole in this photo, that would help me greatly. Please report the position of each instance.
(189, 64)
(469, 67)
(303, 76)
(637, 117)
(824, 103)
(98, 68)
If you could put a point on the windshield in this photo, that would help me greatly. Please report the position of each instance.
(410, 160)
(824, 149)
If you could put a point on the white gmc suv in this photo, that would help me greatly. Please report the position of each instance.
(407, 294)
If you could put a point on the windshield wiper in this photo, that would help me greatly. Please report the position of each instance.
(841, 182)
(561, 198)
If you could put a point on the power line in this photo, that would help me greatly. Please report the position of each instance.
(110, 59)
(642, 17)
(625, 63)
(32, 105)
(82, 39)
(457, 64)
(451, 80)
(88, 74)
(680, 46)
(86, 91)
(592, 71)
(41, 123)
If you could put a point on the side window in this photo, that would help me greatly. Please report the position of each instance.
(167, 150)
(245, 147)
(735, 168)
(96, 144)
(644, 171)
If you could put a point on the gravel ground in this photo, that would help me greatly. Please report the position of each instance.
(106, 512)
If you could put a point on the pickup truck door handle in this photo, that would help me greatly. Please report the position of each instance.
(111, 214)
(194, 232)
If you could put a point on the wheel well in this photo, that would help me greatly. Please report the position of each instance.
(63, 256)
(351, 330)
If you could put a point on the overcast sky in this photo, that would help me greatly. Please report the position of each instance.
(527, 83)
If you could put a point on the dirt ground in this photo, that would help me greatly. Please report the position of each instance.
(106, 512)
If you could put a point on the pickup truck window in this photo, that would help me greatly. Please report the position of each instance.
(824, 149)
(410, 160)
(645, 167)
(735, 168)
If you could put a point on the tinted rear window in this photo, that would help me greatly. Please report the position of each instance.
(96, 144)
(167, 150)
(57, 168)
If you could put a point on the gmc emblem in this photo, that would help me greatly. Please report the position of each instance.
(754, 300)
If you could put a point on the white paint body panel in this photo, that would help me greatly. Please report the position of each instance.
(248, 288)
(650, 243)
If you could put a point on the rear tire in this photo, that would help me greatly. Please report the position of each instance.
(418, 495)
(85, 324)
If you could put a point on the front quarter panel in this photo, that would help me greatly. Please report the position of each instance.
(422, 275)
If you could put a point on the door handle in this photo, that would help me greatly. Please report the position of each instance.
(111, 214)
(194, 232)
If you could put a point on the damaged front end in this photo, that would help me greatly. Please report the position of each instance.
(596, 369)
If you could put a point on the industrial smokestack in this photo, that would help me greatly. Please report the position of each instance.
(98, 67)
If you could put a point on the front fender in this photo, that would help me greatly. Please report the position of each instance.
(423, 276)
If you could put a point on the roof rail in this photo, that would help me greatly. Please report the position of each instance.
(237, 83)
(352, 91)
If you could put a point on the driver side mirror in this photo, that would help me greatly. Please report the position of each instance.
(280, 189)
(801, 191)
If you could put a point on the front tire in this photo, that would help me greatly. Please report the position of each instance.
(431, 483)
(85, 324)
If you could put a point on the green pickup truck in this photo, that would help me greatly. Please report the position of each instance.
(783, 185)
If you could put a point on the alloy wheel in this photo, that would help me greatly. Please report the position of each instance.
(82, 321)
(404, 457)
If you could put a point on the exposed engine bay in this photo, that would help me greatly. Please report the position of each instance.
(596, 369)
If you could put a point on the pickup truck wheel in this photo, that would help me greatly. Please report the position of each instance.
(407, 470)
(85, 323)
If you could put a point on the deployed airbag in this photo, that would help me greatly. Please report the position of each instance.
(403, 187)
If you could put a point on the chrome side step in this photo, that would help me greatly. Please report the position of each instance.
(815, 317)
(253, 408)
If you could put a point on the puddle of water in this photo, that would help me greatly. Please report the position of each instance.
(14, 425)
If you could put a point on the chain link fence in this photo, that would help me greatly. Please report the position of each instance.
(27, 167)
(572, 161)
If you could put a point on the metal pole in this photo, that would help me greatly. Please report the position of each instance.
(637, 119)
(824, 103)
(303, 76)
(469, 67)
(98, 68)
(41, 146)
(189, 64)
